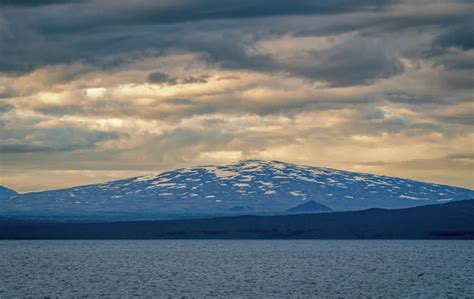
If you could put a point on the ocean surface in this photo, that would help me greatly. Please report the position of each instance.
(237, 268)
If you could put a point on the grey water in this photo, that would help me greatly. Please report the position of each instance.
(237, 268)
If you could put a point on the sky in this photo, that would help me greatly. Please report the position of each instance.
(98, 90)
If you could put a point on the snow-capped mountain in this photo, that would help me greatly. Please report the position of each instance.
(6, 192)
(246, 187)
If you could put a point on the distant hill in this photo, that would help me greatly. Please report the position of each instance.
(6, 192)
(309, 207)
(246, 187)
(453, 220)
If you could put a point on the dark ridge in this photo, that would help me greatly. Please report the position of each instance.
(309, 207)
(453, 220)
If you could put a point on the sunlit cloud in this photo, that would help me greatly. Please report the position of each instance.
(384, 88)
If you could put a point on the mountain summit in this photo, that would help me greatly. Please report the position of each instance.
(263, 187)
(309, 207)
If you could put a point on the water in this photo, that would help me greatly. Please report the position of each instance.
(236, 268)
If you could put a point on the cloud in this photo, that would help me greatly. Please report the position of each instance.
(469, 156)
(98, 34)
(145, 12)
(459, 35)
(111, 33)
(135, 86)
(158, 77)
(36, 2)
(426, 169)
(195, 79)
(351, 63)
(51, 140)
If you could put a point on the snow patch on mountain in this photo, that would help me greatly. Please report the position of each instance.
(261, 186)
(403, 196)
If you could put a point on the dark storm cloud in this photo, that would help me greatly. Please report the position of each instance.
(99, 32)
(451, 48)
(349, 64)
(456, 61)
(51, 140)
(195, 79)
(99, 14)
(160, 12)
(460, 35)
(36, 2)
(356, 61)
(465, 117)
(408, 15)
(110, 34)
(158, 77)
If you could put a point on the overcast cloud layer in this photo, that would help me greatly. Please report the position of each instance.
(95, 90)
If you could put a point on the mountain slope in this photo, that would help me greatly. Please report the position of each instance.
(260, 186)
(6, 192)
(454, 220)
(309, 207)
